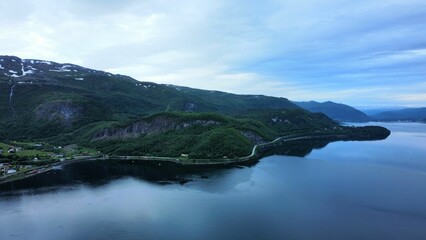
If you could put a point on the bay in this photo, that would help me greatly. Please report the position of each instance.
(345, 190)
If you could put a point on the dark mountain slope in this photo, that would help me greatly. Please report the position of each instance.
(337, 111)
(70, 96)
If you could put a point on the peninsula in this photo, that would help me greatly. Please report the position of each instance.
(61, 113)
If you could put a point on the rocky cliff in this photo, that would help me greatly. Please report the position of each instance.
(156, 125)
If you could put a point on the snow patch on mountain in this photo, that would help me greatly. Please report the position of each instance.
(63, 68)
(145, 86)
(15, 67)
(41, 61)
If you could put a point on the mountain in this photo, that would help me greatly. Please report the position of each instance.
(408, 114)
(373, 111)
(35, 90)
(131, 97)
(68, 104)
(336, 111)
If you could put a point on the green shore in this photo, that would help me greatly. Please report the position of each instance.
(254, 156)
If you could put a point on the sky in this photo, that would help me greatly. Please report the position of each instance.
(363, 53)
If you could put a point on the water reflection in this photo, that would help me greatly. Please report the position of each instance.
(404, 149)
(297, 148)
(98, 173)
(101, 172)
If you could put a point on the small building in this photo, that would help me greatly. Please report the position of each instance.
(11, 150)
(3, 168)
(10, 171)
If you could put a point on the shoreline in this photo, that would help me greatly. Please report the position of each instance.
(43, 169)
(254, 156)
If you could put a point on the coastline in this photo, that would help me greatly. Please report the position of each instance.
(254, 156)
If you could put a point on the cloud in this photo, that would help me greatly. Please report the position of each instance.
(320, 50)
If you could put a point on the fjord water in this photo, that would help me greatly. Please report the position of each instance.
(346, 190)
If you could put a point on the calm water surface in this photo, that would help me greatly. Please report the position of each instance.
(346, 190)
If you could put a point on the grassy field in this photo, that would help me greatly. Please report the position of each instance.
(30, 150)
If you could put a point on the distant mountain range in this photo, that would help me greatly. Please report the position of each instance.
(408, 114)
(69, 104)
(337, 111)
(345, 113)
(376, 110)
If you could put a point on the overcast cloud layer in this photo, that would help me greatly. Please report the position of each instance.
(358, 52)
